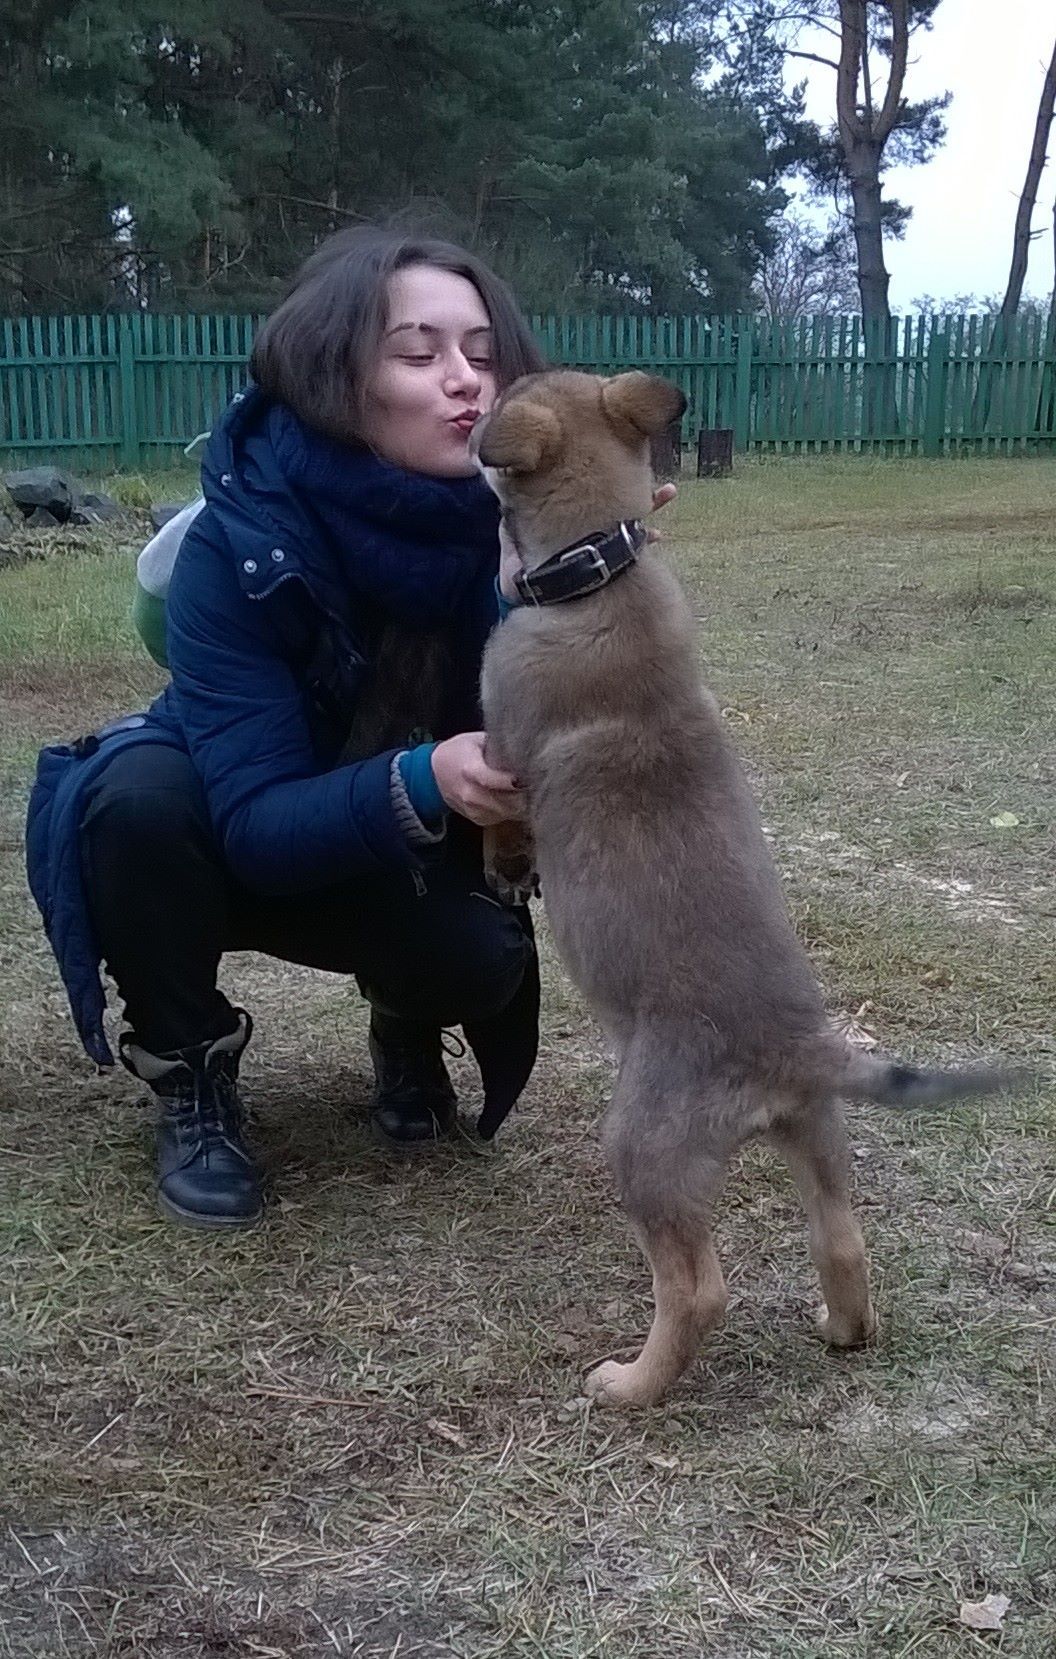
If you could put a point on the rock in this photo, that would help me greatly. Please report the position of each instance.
(41, 487)
(168, 509)
(92, 508)
(41, 519)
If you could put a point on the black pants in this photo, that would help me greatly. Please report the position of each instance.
(165, 908)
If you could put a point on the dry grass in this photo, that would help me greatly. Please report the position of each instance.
(359, 1429)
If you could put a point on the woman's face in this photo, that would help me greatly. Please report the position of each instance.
(434, 373)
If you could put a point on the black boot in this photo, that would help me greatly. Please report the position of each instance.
(413, 1098)
(206, 1177)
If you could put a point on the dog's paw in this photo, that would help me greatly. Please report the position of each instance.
(613, 1384)
(513, 880)
(847, 1333)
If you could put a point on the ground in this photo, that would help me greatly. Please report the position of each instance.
(360, 1429)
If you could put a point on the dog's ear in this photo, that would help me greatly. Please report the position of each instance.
(520, 436)
(643, 402)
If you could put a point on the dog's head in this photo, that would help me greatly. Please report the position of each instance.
(568, 453)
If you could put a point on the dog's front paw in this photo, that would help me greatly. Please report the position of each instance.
(613, 1384)
(513, 880)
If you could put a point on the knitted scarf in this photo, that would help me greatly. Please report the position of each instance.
(419, 555)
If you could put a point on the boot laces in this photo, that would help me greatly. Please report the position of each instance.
(204, 1110)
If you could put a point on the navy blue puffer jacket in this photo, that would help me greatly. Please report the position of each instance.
(305, 551)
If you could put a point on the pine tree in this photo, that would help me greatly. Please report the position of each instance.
(603, 153)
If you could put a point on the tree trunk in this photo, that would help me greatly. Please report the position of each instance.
(1052, 296)
(1021, 234)
(1046, 422)
(484, 187)
(863, 165)
(336, 77)
(864, 130)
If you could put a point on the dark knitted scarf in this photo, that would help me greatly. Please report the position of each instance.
(418, 556)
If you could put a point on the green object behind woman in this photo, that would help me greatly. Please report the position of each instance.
(153, 573)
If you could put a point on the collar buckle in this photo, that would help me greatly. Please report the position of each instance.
(596, 573)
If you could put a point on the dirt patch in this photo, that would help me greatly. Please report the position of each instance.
(829, 847)
(63, 701)
(178, 1599)
(1013, 522)
(941, 1416)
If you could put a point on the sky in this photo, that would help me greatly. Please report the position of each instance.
(992, 55)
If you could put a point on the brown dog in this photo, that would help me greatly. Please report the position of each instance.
(663, 899)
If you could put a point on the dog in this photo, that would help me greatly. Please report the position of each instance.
(663, 899)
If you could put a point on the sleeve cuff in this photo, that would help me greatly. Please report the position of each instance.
(505, 605)
(416, 799)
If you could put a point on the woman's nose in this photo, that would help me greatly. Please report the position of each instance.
(462, 376)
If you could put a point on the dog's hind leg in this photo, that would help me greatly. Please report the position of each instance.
(667, 1187)
(813, 1143)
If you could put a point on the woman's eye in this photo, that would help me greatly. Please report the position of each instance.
(407, 358)
(481, 362)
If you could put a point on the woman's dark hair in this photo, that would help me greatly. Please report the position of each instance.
(316, 351)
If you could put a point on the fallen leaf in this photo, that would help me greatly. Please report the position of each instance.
(986, 1614)
(670, 1465)
(447, 1431)
(578, 1320)
(574, 1406)
(1005, 820)
(565, 1343)
(853, 1031)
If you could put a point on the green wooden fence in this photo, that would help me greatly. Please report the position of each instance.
(132, 390)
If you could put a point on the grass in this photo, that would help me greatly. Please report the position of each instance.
(359, 1430)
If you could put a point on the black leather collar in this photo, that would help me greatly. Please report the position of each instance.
(584, 567)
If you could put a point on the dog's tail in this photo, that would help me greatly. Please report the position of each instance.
(891, 1083)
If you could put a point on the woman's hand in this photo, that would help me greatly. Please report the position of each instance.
(661, 497)
(470, 786)
(510, 559)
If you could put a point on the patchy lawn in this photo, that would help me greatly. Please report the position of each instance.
(359, 1429)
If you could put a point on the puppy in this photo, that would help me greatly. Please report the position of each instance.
(660, 890)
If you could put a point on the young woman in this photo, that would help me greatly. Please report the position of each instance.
(312, 782)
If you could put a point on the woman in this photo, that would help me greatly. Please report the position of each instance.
(312, 782)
